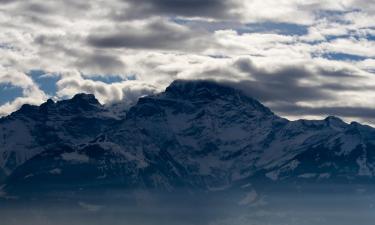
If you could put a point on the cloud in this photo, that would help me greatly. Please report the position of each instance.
(308, 88)
(30, 91)
(101, 63)
(360, 114)
(149, 34)
(5, 1)
(219, 9)
(279, 85)
(127, 91)
(361, 47)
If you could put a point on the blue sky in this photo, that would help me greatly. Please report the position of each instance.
(46, 82)
(9, 93)
(306, 55)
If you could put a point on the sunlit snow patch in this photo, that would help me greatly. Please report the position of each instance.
(249, 198)
(55, 171)
(76, 157)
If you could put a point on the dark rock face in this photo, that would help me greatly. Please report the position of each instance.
(197, 135)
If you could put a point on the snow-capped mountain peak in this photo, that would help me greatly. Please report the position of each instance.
(197, 134)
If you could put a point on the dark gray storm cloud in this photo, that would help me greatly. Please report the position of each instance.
(341, 111)
(185, 8)
(282, 89)
(346, 87)
(5, 1)
(37, 8)
(103, 62)
(338, 73)
(47, 10)
(88, 61)
(157, 34)
(282, 85)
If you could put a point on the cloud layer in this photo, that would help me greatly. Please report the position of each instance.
(302, 58)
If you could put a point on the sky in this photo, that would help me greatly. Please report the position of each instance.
(303, 59)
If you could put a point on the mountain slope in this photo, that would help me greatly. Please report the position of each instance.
(32, 129)
(197, 135)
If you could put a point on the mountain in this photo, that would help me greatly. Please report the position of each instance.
(199, 136)
(36, 129)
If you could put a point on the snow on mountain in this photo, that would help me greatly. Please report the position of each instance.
(32, 129)
(196, 134)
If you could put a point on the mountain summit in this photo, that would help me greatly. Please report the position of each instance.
(197, 135)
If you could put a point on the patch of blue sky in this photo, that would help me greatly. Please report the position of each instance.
(343, 57)
(370, 37)
(219, 56)
(351, 35)
(46, 82)
(265, 27)
(9, 92)
(109, 78)
(6, 46)
(279, 28)
(334, 15)
(180, 20)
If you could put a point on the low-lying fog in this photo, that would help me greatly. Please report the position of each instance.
(323, 206)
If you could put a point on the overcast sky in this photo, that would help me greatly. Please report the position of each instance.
(303, 59)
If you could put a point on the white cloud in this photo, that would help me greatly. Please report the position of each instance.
(30, 91)
(73, 83)
(362, 47)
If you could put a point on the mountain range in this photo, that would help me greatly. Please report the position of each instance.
(198, 136)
